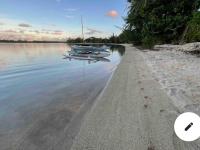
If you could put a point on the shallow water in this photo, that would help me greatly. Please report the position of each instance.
(37, 84)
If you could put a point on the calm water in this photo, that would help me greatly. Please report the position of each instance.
(40, 88)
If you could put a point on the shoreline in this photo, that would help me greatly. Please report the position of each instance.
(134, 112)
(74, 127)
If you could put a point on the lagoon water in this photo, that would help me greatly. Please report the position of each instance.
(41, 92)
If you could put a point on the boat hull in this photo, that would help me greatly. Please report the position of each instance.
(89, 51)
(91, 55)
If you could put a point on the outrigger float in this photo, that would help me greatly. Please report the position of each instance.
(90, 53)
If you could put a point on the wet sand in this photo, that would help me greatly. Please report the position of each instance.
(134, 112)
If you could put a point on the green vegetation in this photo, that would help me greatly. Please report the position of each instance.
(152, 22)
(112, 39)
(193, 29)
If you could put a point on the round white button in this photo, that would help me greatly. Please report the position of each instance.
(187, 126)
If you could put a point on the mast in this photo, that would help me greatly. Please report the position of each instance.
(82, 29)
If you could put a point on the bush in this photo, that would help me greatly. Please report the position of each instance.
(149, 42)
(193, 33)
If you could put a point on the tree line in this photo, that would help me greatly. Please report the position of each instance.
(151, 22)
(111, 39)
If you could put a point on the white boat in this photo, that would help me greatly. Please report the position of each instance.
(89, 47)
(89, 51)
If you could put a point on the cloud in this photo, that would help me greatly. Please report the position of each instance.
(22, 31)
(14, 31)
(112, 14)
(46, 30)
(9, 35)
(57, 32)
(24, 25)
(30, 34)
(9, 31)
(92, 31)
(37, 32)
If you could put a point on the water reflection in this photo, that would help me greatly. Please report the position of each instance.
(88, 60)
(15, 54)
(113, 48)
(118, 48)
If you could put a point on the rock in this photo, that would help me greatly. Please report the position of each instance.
(165, 47)
(190, 47)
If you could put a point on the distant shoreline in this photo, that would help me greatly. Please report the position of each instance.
(40, 42)
(33, 42)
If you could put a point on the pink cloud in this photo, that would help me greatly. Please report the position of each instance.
(112, 13)
(29, 35)
(9, 31)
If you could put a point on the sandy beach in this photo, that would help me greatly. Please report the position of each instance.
(137, 110)
(178, 74)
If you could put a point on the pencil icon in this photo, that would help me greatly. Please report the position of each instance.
(189, 126)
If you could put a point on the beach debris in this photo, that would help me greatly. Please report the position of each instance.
(151, 148)
(190, 47)
(162, 110)
(145, 105)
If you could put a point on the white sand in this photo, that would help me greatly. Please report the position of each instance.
(179, 75)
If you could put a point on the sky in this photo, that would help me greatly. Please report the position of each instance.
(60, 19)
